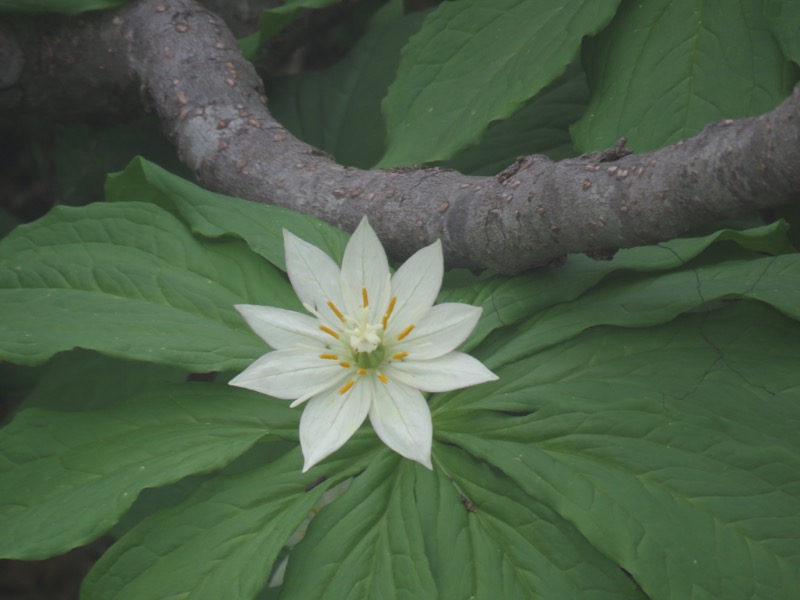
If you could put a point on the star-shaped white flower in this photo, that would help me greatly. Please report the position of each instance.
(371, 345)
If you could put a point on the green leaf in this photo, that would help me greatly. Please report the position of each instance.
(222, 540)
(632, 300)
(401, 531)
(783, 17)
(215, 216)
(506, 301)
(56, 464)
(128, 280)
(68, 7)
(540, 127)
(672, 449)
(366, 544)
(487, 538)
(664, 69)
(475, 62)
(80, 380)
(339, 110)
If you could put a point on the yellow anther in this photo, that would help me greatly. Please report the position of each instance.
(406, 331)
(383, 378)
(345, 364)
(329, 331)
(330, 356)
(364, 297)
(335, 310)
(362, 371)
(347, 386)
(389, 311)
(399, 356)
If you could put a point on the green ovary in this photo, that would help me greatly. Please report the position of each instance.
(370, 360)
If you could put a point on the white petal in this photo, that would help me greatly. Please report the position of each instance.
(283, 329)
(416, 285)
(314, 275)
(449, 372)
(364, 265)
(290, 374)
(329, 420)
(443, 329)
(402, 420)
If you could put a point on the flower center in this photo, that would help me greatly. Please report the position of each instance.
(365, 337)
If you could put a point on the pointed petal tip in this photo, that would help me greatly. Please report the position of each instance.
(236, 381)
(426, 462)
(309, 460)
(244, 309)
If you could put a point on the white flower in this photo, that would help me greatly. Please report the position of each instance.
(371, 345)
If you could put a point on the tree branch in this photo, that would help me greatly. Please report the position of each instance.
(179, 60)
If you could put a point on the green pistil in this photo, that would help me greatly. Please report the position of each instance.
(370, 360)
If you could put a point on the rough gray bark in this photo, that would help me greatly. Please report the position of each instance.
(179, 60)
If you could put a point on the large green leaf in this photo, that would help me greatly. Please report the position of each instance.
(69, 476)
(673, 450)
(506, 301)
(213, 215)
(339, 110)
(540, 127)
(81, 380)
(460, 531)
(632, 300)
(783, 17)
(506, 543)
(222, 540)
(128, 280)
(664, 69)
(474, 62)
(367, 544)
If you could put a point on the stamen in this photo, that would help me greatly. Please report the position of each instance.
(330, 356)
(405, 333)
(399, 356)
(345, 364)
(389, 311)
(383, 378)
(336, 311)
(347, 386)
(362, 371)
(329, 331)
(364, 297)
